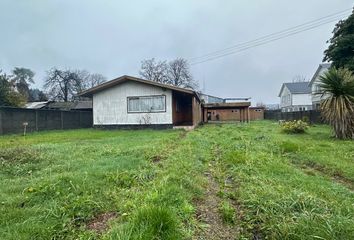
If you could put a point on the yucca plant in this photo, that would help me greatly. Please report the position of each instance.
(337, 108)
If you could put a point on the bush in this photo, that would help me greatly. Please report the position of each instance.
(296, 126)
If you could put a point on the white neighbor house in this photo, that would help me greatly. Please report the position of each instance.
(314, 85)
(295, 96)
(129, 102)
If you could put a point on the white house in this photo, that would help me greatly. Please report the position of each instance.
(129, 102)
(314, 85)
(295, 96)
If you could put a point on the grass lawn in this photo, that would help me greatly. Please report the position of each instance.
(225, 181)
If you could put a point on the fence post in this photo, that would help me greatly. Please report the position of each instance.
(1, 122)
(62, 119)
(36, 120)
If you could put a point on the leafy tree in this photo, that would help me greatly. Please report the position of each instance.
(8, 95)
(338, 108)
(22, 78)
(341, 49)
(175, 72)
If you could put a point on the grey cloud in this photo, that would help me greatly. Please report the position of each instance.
(112, 37)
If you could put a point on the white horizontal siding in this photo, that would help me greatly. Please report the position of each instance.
(301, 99)
(285, 98)
(316, 98)
(110, 105)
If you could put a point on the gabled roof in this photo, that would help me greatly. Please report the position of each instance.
(320, 67)
(119, 80)
(296, 88)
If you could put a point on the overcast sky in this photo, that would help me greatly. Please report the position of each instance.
(111, 37)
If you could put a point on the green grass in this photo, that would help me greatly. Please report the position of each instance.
(285, 186)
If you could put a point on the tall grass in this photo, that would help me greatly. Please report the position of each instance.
(283, 186)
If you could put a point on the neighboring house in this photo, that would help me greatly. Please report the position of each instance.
(227, 112)
(316, 97)
(210, 99)
(130, 102)
(272, 106)
(70, 106)
(36, 105)
(295, 96)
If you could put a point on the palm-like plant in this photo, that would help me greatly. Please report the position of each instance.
(338, 106)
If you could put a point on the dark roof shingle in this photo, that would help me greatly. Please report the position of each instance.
(297, 87)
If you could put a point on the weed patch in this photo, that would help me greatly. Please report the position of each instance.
(19, 161)
(288, 147)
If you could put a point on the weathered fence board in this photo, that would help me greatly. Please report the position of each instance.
(12, 119)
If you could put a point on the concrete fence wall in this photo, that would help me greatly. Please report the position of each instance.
(12, 120)
(313, 116)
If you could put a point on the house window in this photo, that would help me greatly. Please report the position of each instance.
(147, 104)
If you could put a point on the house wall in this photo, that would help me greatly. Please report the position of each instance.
(197, 112)
(110, 105)
(294, 102)
(285, 98)
(256, 113)
(227, 114)
(301, 99)
(315, 88)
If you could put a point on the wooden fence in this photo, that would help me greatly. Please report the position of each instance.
(312, 116)
(12, 120)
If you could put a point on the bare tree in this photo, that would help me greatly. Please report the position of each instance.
(154, 71)
(180, 75)
(95, 79)
(59, 84)
(65, 84)
(176, 72)
(87, 80)
(80, 82)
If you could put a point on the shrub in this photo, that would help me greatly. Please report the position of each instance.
(306, 119)
(296, 126)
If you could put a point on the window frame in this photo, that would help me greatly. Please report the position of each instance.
(147, 96)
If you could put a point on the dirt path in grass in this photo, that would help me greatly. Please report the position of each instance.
(212, 225)
(336, 176)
